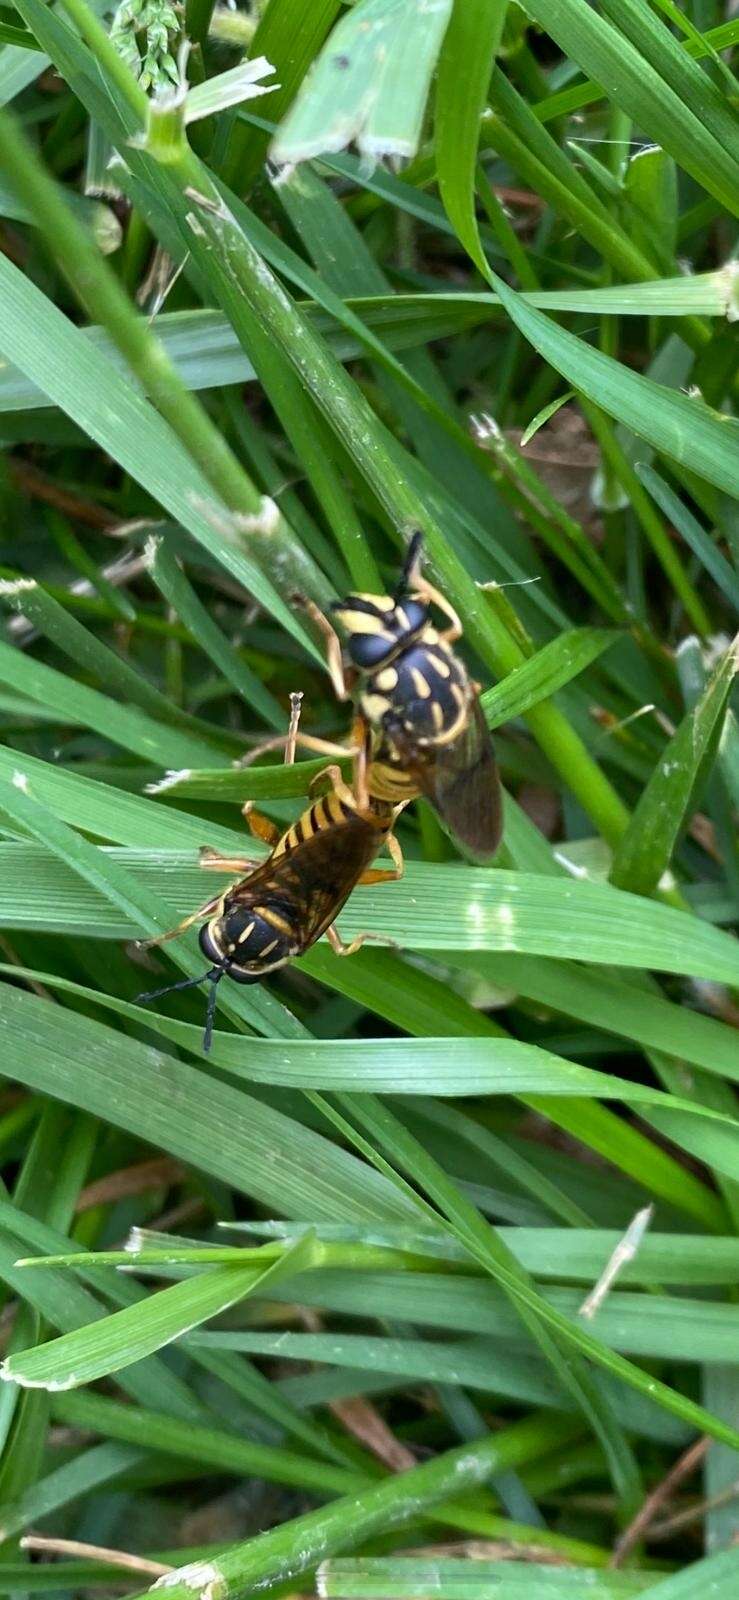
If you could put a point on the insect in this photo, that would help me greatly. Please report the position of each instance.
(418, 705)
(282, 906)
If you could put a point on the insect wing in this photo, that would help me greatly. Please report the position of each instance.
(461, 781)
(319, 874)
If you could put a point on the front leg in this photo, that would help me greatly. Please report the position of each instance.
(303, 741)
(340, 949)
(431, 596)
(334, 658)
(207, 910)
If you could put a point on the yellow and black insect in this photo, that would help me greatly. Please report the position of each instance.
(417, 702)
(282, 906)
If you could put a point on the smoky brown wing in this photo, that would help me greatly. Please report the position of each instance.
(461, 781)
(321, 872)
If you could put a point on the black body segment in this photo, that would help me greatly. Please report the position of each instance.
(415, 695)
(279, 909)
(285, 905)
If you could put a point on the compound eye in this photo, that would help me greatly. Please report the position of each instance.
(207, 943)
(416, 613)
(368, 650)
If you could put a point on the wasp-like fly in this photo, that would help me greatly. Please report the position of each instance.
(282, 906)
(418, 704)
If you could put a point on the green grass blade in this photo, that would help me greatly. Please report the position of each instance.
(438, 908)
(646, 850)
(140, 1330)
(369, 83)
(469, 52)
(171, 580)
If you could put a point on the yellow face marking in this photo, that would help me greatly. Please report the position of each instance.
(384, 602)
(362, 622)
(247, 933)
(420, 685)
(375, 706)
(387, 679)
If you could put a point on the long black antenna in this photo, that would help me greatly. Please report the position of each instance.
(169, 988)
(411, 557)
(211, 1012)
(213, 977)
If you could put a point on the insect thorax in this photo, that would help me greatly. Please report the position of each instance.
(423, 694)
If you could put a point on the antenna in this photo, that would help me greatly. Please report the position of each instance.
(412, 557)
(212, 976)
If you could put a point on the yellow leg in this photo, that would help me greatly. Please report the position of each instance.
(386, 874)
(259, 825)
(305, 741)
(206, 910)
(334, 658)
(333, 773)
(296, 701)
(213, 861)
(431, 596)
(340, 949)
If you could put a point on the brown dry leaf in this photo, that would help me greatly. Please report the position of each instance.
(365, 1424)
(130, 1180)
(565, 455)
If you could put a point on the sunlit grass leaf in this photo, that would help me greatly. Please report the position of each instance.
(72, 374)
(404, 1578)
(700, 542)
(468, 54)
(229, 88)
(686, 429)
(544, 415)
(127, 1336)
(435, 907)
(369, 84)
(646, 849)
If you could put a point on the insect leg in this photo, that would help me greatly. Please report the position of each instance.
(333, 773)
(205, 910)
(386, 874)
(334, 659)
(340, 949)
(306, 741)
(296, 701)
(427, 592)
(260, 825)
(213, 861)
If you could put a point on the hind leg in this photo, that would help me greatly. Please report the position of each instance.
(261, 826)
(212, 861)
(341, 949)
(386, 874)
